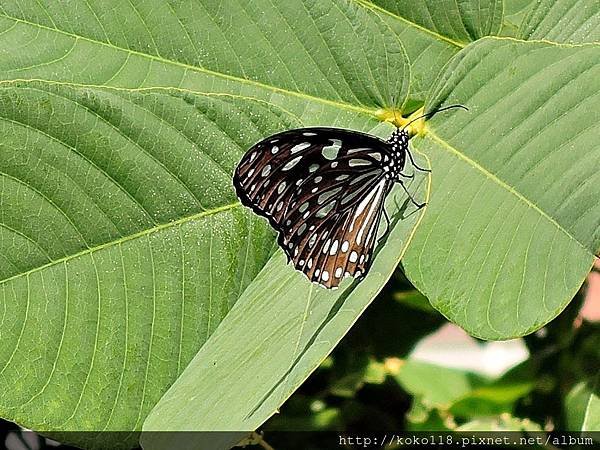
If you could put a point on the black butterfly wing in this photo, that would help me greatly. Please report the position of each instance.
(312, 182)
(341, 244)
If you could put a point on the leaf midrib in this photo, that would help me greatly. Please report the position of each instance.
(504, 185)
(131, 237)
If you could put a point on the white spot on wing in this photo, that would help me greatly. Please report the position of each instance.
(292, 163)
(300, 147)
(326, 246)
(334, 247)
(359, 162)
(358, 149)
(330, 152)
(353, 256)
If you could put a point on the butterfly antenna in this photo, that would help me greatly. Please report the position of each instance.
(435, 112)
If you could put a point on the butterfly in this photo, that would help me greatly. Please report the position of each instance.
(323, 190)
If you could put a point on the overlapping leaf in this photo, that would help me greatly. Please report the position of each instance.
(277, 334)
(462, 21)
(332, 51)
(513, 223)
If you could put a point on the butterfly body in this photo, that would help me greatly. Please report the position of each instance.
(323, 190)
(398, 143)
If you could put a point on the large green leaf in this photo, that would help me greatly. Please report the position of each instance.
(122, 243)
(274, 337)
(334, 52)
(124, 248)
(570, 21)
(513, 223)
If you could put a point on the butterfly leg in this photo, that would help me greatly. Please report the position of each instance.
(387, 222)
(407, 175)
(422, 169)
(418, 205)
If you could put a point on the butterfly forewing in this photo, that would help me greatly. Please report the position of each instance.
(322, 189)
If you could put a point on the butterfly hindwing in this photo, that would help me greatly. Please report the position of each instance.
(341, 245)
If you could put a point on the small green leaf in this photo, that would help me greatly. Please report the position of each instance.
(436, 386)
(582, 406)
